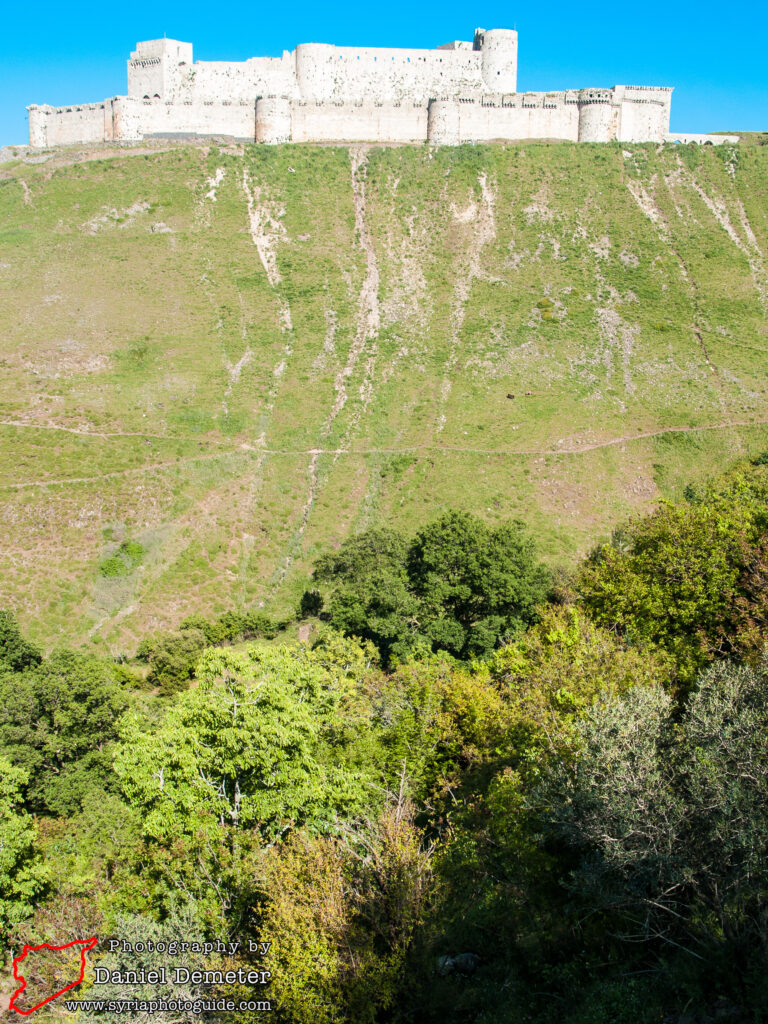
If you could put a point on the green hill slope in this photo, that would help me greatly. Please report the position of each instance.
(234, 357)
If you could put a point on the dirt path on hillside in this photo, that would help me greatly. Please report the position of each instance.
(314, 453)
(108, 435)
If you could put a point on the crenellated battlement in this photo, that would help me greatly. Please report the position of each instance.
(460, 91)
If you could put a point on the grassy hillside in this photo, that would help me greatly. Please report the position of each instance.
(233, 357)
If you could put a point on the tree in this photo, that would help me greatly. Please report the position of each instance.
(688, 579)
(477, 586)
(23, 878)
(371, 598)
(342, 913)
(458, 586)
(56, 722)
(16, 653)
(172, 658)
(553, 674)
(669, 822)
(724, 781)
(243, 750)
(182, 925)
(615, 804)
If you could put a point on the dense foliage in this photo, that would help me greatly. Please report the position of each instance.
(689, 579)
(460, 802)
(457, 586)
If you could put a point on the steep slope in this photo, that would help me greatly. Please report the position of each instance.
(236, 356)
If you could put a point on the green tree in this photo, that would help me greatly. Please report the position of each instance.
(57, 721)
(243, 750)
(342, 915)
(459, 586)
(172, 658)
(232, 627)
(370, 595)
(687, 579)
(477, 586)
(724, 782)
(616, 804)
(553, 674)
(16, 653)
(668, 821)
(23, 878)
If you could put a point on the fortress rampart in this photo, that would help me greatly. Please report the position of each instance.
(460, 92)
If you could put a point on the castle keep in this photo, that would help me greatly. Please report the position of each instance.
(459, 92)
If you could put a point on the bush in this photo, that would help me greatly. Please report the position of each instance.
(311, 604)
(690, 582)
(172, 658)
(669, 822)
(127, 557)
(342, 916)
(232, 627)
(16, 653)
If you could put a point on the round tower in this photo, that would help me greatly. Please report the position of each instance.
(273, 119)
(315, 71)
(38, 126)
(499, 49)
(443, 128)
(596, 116)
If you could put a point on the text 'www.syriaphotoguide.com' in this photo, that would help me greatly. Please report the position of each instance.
(159, 1005)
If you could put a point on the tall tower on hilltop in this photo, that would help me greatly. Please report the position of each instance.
(155, 67)
(499, 58)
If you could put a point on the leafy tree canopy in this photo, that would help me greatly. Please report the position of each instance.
(687, 579)
(458, 586)
(56, 722)
(245, 749)
(22, 876)
(670, 821)
(16, 653)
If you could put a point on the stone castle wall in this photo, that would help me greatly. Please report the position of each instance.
(125, 119)
(463, 91)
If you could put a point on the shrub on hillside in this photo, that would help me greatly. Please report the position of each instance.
(172, 658)
(16, 653)
(668, 822)
(690, 579)
(458, 586)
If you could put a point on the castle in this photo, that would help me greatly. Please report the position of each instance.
(459, 92)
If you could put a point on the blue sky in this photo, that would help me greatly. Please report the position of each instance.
(714, 55)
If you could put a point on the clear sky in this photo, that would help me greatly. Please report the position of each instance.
(716, 56)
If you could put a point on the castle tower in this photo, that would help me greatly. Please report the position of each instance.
(499, 57)
(443, 123)
(155, 66)
(273, 119)
(38, 125)
(598, 115)
(315, 70)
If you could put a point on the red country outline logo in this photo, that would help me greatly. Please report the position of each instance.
(87, 944)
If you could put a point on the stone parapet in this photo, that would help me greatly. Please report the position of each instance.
(461, 92)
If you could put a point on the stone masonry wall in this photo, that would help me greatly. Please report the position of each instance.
(515, 116)
(347, 74)
(349, 122)
(462, 91)
(62, 126)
